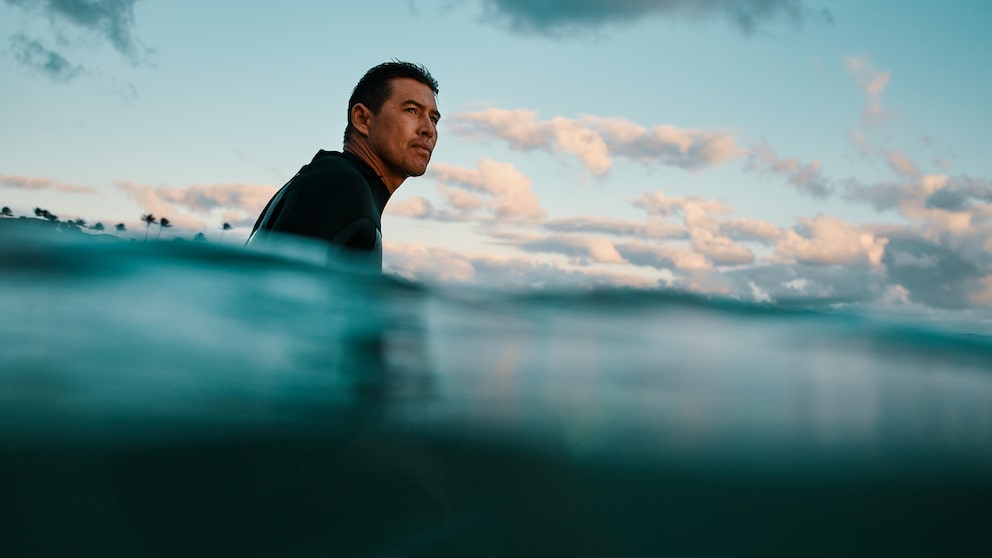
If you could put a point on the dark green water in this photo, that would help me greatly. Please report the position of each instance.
(177, 400)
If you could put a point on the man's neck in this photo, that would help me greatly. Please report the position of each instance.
(362, 151)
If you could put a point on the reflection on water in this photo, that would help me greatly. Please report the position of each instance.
(190, 399)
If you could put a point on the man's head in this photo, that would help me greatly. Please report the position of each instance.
(392, 119)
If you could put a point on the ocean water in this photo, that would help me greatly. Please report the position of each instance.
(177, 399)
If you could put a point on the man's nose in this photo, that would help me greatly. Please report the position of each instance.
(428, 128)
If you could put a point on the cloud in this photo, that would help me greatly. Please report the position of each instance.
(982, 293)
(422, 263)
(937, 205)
(112, 19)
(719, 248)
(617, 227)
(595, 141)
(241, 202)
(509, 190)
(806, 178)
(582, 250)
(872, 83)
(931, 274)
(901, 164)
(36, 56)
(461, 200)
(665, 144)
(662, 256)
(751, 229)
(30, 183)
(959, 194)
(417, 207)
(808, 283)
(704, 230)
(694, 208)
(826, 240)
(551, 17)
(881, 195)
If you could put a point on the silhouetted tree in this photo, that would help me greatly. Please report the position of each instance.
(200, 237)
(149, 220)
(98, 226)
(6, 212)
(81, 223)
(162, 224)
(120, 228)
(45, 214)
(226, 227)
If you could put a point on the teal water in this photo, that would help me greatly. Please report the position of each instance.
(170, 399)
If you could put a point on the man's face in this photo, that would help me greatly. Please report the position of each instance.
(404, 132)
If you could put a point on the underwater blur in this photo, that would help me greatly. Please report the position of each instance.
(178, 399)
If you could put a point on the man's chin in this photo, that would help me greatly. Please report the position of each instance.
(417, 171)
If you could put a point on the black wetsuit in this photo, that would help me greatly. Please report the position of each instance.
(336, 198)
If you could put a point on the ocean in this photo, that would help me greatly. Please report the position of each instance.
(184, 398)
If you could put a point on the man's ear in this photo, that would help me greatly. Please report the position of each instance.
(361, 116)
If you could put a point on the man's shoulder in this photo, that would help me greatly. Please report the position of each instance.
(332, 163)
(330, 171)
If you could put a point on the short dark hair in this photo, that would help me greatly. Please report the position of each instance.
(374, 87)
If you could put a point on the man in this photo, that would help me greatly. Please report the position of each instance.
(339, 197)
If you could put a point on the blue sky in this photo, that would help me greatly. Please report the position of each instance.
(770, 149)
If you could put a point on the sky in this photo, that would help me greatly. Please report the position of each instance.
(768, 150)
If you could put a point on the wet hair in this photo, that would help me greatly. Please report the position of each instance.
(374, 88)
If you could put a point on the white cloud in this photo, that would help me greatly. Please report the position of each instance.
(460, 199)
(243, 200)
(828, 240)
(416, 207)
(32, 183)
(581, 249)
(419, 262)
(619, 227)
(594, 141)
(718, 248)
(872, 83)
(511, 197)
(807, 178)
(704, 231)
(751, 229)
(901, 164)
(662, 256)
(694, 208)
(665, 144)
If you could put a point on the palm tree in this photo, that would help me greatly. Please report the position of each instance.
(149, 220)
(162, 224)
(97, 227)
(120, 228)
(45, 214)
(223, 229)
(6, 212)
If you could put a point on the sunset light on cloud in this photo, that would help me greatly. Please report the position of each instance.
(763, 150)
